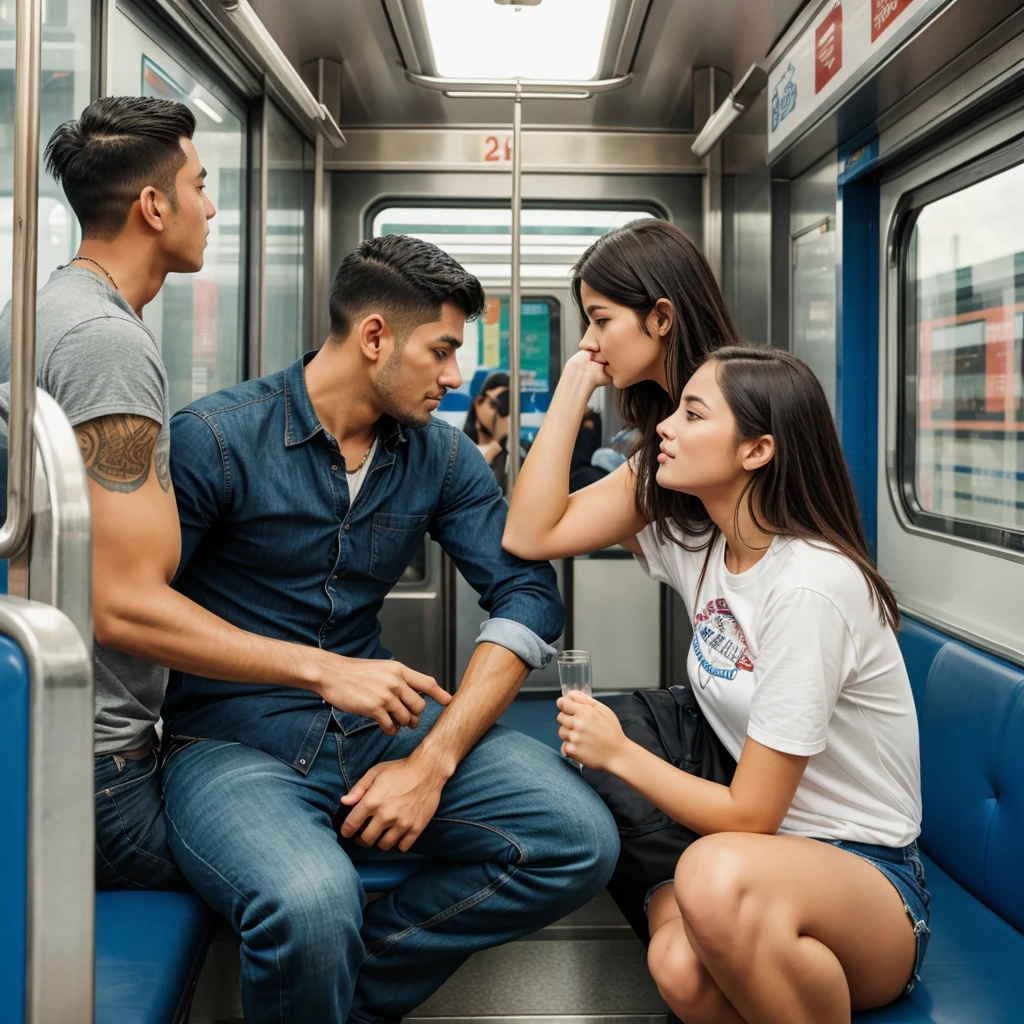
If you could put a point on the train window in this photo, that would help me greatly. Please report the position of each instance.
(65, 84)
(814, 302)
(196, 317)
(287, 302)
(962, 446)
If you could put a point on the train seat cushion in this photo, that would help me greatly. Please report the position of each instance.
(919, 644)
(150, 947)
(972, 734)
(972, 969)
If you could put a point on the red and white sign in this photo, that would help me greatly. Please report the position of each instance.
(828, 48)
(884, 13)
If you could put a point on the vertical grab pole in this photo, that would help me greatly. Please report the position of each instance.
(515, 302)
(28, 68)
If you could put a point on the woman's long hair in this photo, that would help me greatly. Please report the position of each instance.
(498, 379)
(635, 266)
(804, 490)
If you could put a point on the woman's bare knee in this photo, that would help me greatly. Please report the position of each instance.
(714, 893)
(681, 978)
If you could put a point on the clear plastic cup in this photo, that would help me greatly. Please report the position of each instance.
(574, 672)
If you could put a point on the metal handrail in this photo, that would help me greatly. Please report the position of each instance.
(515, 301)
(255, 33)
(27, 74)
(528, 87)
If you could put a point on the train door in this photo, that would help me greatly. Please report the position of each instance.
(612, 609)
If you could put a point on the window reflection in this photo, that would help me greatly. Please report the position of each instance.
(195, 317)
(287, 305)
(966, 313)
(65, 87)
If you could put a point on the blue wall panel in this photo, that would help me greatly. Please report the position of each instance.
(857, 288)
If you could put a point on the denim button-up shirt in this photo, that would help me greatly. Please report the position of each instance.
(272, 544)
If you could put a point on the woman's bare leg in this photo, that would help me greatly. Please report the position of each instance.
(682, 979)
(792, 930)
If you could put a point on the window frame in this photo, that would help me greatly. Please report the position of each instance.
(901, 470)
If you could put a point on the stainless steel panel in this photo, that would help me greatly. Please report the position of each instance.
(710, 88)
(414, 621)
(544, 151)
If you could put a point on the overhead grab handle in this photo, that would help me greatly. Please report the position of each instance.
(20, 444)
(255, 34)
(736, 103)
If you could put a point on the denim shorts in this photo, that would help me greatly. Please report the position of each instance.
(903, 867)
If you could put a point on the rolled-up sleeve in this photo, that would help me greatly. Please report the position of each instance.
(526, 611)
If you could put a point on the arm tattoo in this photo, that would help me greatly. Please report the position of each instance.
(118, 451)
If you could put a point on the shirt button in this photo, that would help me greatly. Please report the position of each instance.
(335, 468)
(302, 760)
(330, 622)
(347, 527)
(334, 577)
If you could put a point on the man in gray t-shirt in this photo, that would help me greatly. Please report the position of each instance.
(133, 177)
(101, 363)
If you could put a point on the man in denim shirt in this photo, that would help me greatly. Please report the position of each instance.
(302, 498)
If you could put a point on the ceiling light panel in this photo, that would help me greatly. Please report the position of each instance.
(558, 40)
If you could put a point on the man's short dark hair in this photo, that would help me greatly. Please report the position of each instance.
(119, 145)
(405, 279)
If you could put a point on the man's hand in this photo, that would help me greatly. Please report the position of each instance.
(386, 691)
(392, 804)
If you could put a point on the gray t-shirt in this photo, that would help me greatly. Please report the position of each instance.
(97, 358)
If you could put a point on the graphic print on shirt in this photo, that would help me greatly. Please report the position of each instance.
(719, 644)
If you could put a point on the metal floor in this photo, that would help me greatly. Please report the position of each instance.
(589, 967)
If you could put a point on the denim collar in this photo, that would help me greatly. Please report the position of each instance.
(300, 421)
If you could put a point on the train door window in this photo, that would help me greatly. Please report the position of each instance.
(196, 318)
(961, 457)
(480, 239)
(287, 301)
(65, 91)
(814, 302)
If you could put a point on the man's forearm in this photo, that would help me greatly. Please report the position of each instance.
(165, 627)
(491, 682)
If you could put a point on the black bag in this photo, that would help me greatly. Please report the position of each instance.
(668, 723)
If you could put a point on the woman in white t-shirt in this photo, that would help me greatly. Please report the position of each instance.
(805, 898)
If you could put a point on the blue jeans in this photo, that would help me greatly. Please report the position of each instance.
(520, 840)
(131, 834)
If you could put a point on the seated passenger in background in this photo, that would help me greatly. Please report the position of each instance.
(487, 423)
(806, 896)
(135, 182)
(302, 498)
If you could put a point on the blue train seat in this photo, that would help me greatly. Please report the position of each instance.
(971, 712)
(150, 947)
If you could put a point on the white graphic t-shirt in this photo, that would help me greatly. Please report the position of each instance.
(793, 654)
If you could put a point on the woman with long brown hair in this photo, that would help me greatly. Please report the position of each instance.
(805, 898)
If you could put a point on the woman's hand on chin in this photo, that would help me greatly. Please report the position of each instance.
(590, 732)
(585, 366)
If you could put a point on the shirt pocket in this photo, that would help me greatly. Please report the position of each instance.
(395, 540)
